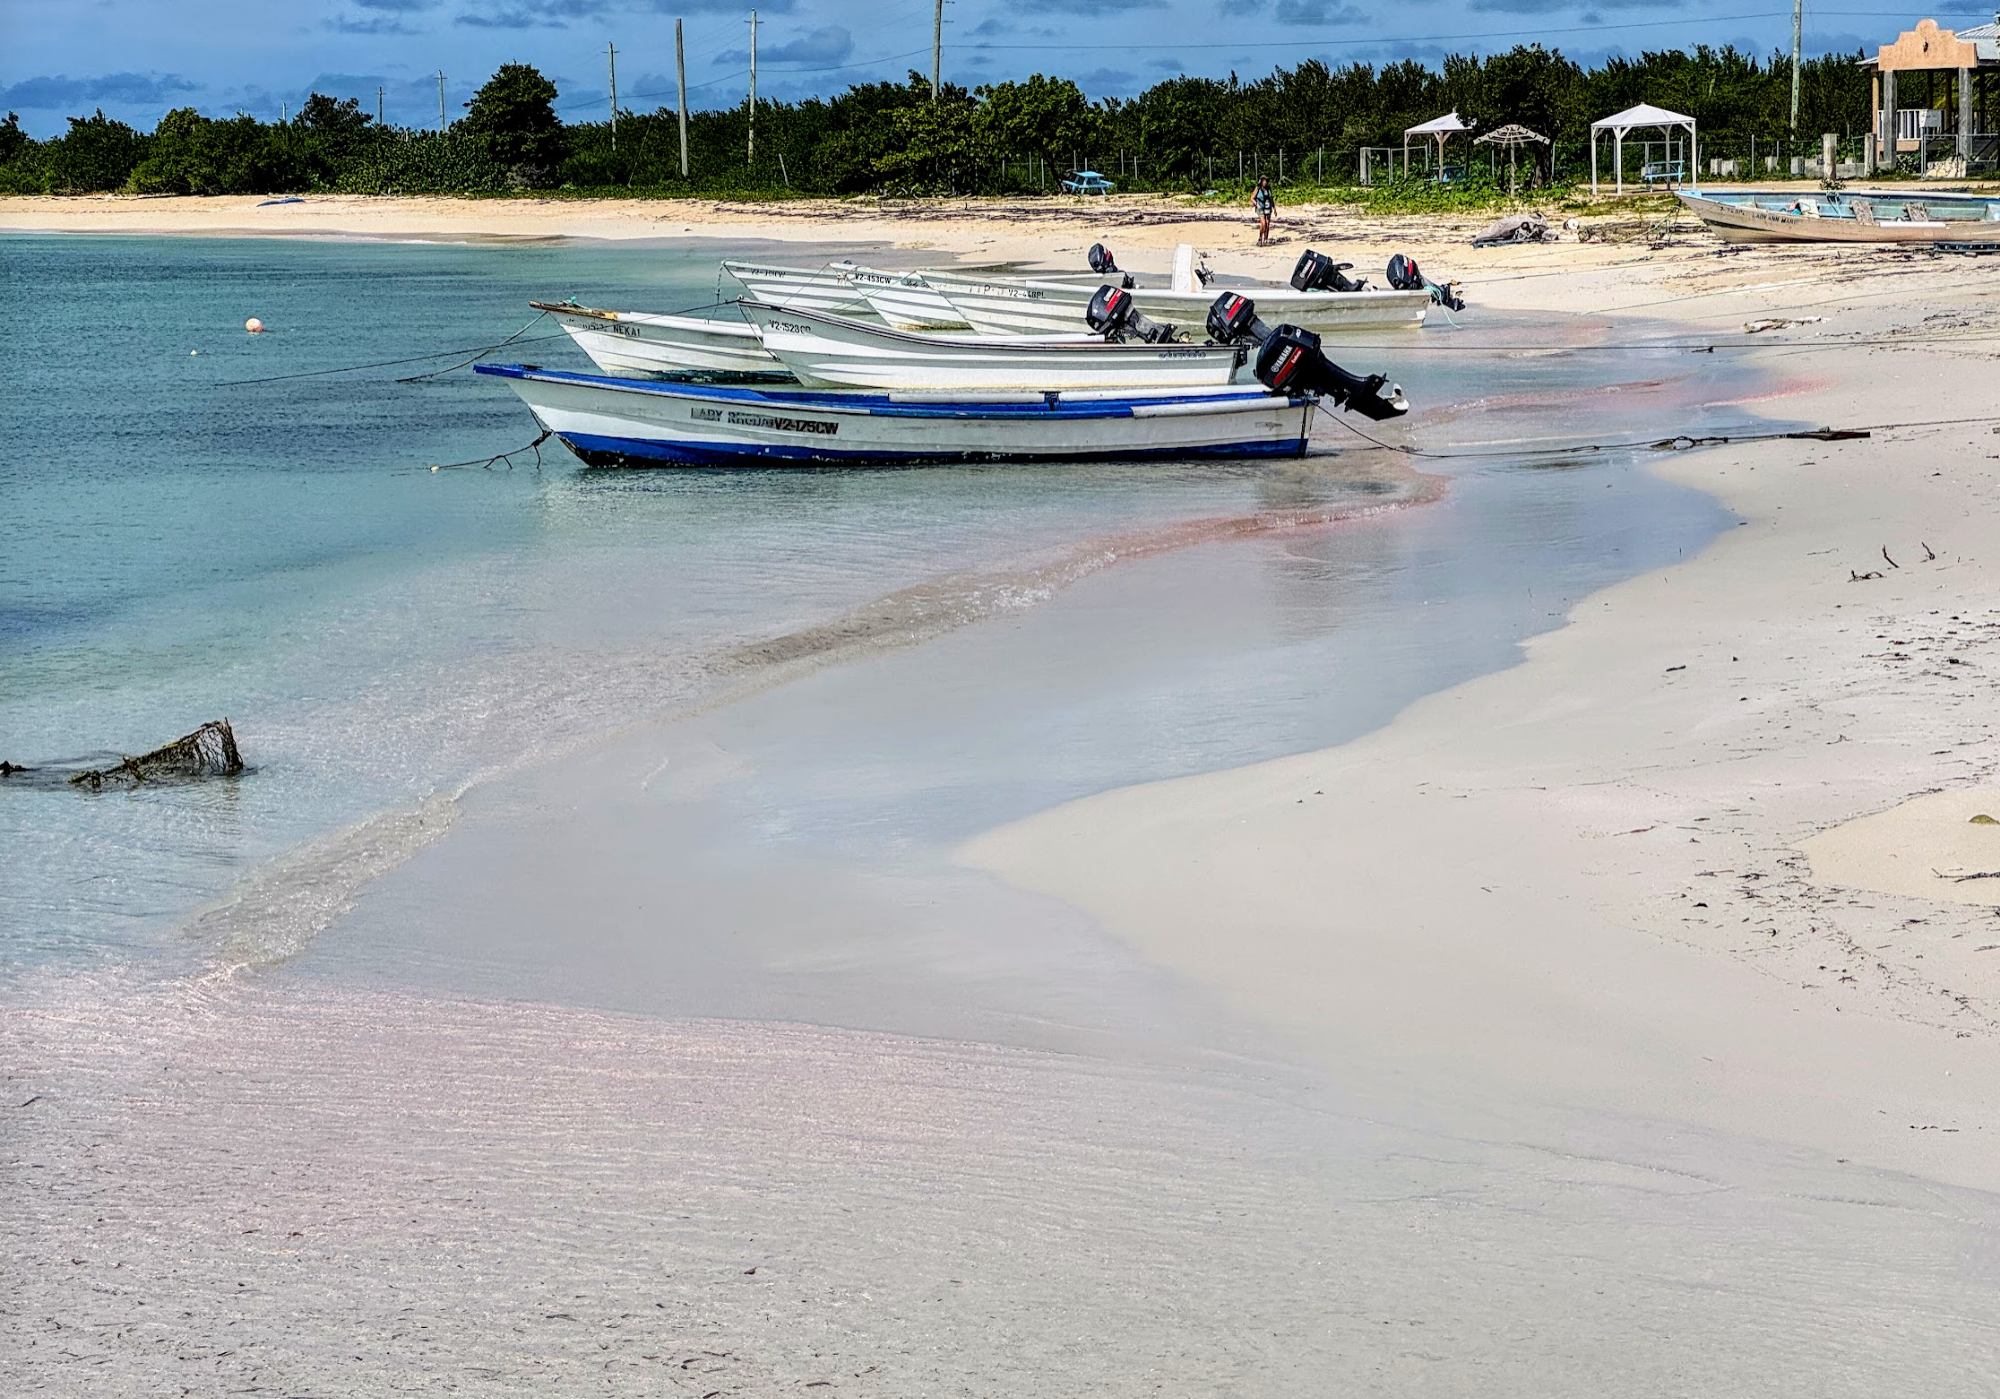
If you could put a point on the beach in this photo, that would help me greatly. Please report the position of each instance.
(1447, 923)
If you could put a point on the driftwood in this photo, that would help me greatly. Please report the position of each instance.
(210, 751)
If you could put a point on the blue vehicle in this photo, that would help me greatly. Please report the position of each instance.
(1087, 182)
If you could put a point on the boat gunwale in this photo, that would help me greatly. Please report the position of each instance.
(1068, 403)
(1082, 342)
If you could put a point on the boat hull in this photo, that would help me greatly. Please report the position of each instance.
(1748, 223)
(639, 343)
(903, 299)
(650, 422)
(838, 352)
(1023, 307)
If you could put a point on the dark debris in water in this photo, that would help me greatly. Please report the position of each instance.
(210, 751)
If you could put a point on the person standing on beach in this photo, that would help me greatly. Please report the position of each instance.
(1265, 203)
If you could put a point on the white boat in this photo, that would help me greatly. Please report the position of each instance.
(638, 342)
(1022, 306)
(651, 422)
(903, 299)
(840, 352)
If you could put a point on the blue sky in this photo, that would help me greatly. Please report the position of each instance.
(138, 58)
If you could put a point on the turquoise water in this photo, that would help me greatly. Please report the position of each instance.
(181, 547)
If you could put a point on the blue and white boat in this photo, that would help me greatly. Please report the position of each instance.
(649, 422)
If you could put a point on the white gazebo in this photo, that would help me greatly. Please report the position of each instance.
(1439, 129)
(1644, 117)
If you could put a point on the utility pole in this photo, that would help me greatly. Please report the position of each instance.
(937, 47)
(440, 99)
(753, 88)
(378, 106)
(612, 54)
(681, 71)
(1798, 24)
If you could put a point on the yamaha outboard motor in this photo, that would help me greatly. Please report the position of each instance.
(1404, 275)
(1318, 272)
(1112, 315)
(1289, 360)
(1105, 265)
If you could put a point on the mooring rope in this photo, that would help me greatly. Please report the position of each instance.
(1681, 443)
(486, 463)
(433, 373)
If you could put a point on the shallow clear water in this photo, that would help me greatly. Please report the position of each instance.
(182, 547)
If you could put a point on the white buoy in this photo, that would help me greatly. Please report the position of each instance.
(254, 326)
(194, 352)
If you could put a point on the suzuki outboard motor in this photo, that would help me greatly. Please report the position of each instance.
(1289, 360)
(1112, 315)
(1318, 272)
(1404, 275)
(1104, 265)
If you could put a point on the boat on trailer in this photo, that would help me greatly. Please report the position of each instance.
(840, 352)
(649, 422)
(641, 343)
(1937, 219)
(1024, 306)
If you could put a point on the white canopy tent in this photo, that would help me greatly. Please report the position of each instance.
(1439, 129)
(1645, 116)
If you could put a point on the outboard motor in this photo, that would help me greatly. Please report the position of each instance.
(1112, 315)
(1318, 272)
(1404, 275)
(1105, 265)
(1289, 360)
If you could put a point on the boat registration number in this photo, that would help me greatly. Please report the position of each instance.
(769, 421)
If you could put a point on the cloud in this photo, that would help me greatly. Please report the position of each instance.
(987, 28)
(60, 90)
(374, 24)
(1544, 7)
(1107, 80)
(822, 48)
(1085, 9)
(532, 14)
(401, 7)
(1167, 65)
(1319, 12)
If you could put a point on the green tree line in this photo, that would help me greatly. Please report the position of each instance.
(892, 137)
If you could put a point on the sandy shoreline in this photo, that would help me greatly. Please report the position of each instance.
(1620, 1078)
(1581, 878)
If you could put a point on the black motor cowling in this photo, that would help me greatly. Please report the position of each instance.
(1289, 360)
(1405, 275)
(1318, 272)
(1112, 315)
(1105, 265)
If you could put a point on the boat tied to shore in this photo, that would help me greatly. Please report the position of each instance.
(624, 422)
(828, 351)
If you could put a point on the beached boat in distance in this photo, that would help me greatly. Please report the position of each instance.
(1023, 306)
(622, 422)
(840, 352)
(641, 343)
(1847, 216)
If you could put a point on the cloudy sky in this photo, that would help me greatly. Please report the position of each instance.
(138, 58)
